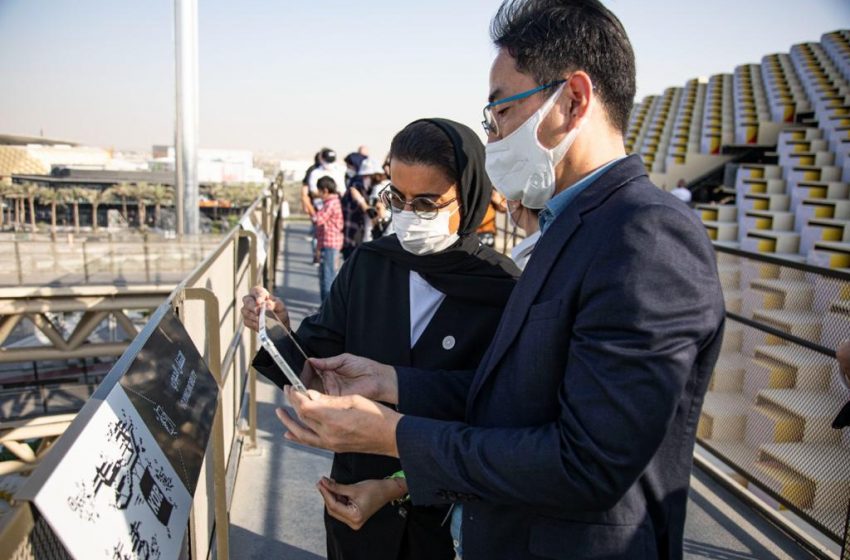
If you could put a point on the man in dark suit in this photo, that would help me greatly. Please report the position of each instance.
(573, 438)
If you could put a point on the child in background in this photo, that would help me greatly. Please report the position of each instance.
(329, 236)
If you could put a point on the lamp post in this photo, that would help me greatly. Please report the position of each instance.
(186, 123)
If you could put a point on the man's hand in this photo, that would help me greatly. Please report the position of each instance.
(347, 374)
(340, 424)
(354, 504)
(259, 298)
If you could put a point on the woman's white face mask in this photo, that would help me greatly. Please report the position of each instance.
(424, 237)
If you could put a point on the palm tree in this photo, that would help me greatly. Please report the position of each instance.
(7, 190)
(54, 197)
(73, 195)
(122, 191)
(160, 194)
(141, 192)
(29, 192)
(95, 197)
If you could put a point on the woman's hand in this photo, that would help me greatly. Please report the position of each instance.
(525, 218)
(354, 504)
(260, 298)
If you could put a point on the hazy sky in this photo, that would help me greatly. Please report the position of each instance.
(291, 75)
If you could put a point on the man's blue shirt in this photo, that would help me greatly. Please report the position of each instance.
(558, 203)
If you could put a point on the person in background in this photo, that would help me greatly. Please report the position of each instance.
(328, 220)
(431, 295)
(363, 151)
(306, 199)
(374, 183)
(352, 166)
(355, 206)
(326, 168)
(376, 179)
(682, 192)
(487, 230)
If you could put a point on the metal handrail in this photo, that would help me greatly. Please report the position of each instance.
(787, 337)
(779, 261)
(187, 290)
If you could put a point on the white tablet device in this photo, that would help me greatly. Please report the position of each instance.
(271, 331)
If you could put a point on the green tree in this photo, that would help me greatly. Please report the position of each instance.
(55, 197)
(29, 192)
(74, 195)
(242, 196)
(142, 193)
(95, 197)
(122, 191)
(7, 194)
(160, 195)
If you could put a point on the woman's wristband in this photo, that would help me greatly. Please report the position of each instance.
(400, 483)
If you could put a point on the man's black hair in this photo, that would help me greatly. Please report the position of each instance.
(549, 38)
(422, 142)
(326, 184)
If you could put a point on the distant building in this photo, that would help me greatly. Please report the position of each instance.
(214, 166)
(27, 155)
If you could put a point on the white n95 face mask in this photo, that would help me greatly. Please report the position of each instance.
(424, 237)
(520, 167)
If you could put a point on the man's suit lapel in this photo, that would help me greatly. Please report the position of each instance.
(545, 255)
(532, 280)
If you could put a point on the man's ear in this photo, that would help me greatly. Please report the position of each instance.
(578, 95)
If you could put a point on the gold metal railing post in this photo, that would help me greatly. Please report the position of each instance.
(211, 318)
(252, 373)
(16, 526)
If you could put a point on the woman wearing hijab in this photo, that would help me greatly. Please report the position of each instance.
(429, 296)
(354, 504)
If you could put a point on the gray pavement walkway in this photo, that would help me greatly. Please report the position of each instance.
(277, 512)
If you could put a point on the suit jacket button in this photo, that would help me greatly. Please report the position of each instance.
(449, 342)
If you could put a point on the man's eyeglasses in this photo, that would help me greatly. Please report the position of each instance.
(491, 127)
(422, 206)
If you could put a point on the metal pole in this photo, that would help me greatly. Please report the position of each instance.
(186, 126)
(212, 321)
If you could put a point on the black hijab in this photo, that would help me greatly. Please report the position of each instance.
(467, 270)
